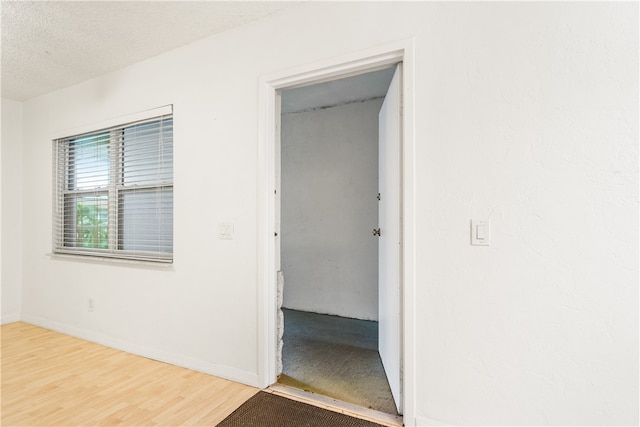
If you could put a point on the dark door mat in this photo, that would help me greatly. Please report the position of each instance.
(268, 410)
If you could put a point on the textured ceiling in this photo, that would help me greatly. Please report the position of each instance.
(48, 45)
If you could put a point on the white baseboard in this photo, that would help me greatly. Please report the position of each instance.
(226, 372)
(9, 318)
(428, 422)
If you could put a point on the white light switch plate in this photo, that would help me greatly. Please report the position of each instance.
(480, 233)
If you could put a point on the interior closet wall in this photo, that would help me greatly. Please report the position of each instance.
(329, 207)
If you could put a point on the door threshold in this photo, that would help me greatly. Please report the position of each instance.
(335, 405)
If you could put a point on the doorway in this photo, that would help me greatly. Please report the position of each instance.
(339, 151)
(269, 203)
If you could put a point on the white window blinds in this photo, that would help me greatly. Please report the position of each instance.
(114, 192)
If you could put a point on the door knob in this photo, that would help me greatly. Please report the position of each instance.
(376, 232)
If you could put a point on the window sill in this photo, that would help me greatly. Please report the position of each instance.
(166, 265)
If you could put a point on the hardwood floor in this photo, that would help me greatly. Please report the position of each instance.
(53, 379)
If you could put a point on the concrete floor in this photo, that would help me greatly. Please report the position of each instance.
(336, 357)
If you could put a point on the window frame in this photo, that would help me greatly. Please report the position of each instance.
(64, 219)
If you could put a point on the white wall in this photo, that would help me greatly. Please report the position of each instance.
(525, 114)
(329, 207)
(11, 210)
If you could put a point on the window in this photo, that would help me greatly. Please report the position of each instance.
(114, 192)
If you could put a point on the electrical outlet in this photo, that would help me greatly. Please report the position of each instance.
(92, 305)
(225, 231)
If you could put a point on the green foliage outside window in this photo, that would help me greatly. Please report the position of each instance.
(92, 223)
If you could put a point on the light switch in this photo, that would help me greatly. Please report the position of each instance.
(480, 233)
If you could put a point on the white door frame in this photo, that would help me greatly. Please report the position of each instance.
(344, 66)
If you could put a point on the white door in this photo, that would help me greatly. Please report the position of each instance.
(389, 214)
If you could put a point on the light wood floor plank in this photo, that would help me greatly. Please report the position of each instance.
(52, 379)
